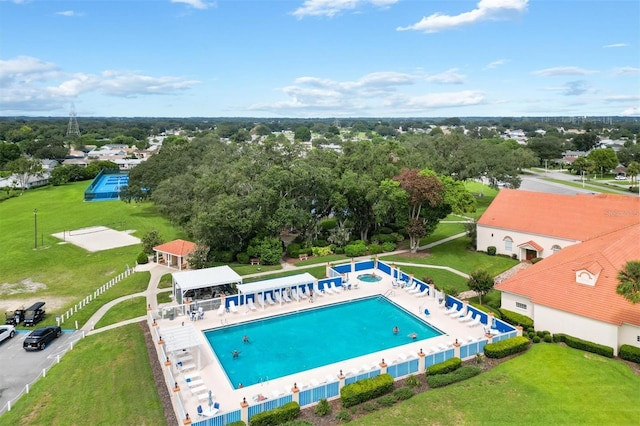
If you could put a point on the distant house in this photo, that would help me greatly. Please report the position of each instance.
(526, 225)
(574, 291)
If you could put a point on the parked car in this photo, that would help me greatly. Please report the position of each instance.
(7, 332)
(38, 339)
(14, 317)
(621, 177)
(34, 314)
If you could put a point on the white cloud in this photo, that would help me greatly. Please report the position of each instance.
(562, 71)
(196, 4)
(634, 111)
(486, 10)
(69, 13)
(31, 84)
(443, 100)
(331, 8)
(626, 71)
(622, 98)
(495, 64)
(448, 77)
(609, 46)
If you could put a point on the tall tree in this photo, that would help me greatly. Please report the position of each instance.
(23, 169)
(629, 281)
(603, 159)
(481, 282)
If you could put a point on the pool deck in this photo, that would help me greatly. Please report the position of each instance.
(204, 366)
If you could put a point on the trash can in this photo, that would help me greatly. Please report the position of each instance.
(171, 314)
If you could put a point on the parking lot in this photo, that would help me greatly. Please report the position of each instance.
(20, 367)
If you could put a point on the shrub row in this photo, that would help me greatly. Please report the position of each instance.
(584, 345)
(277, 416)
(462, 373)
(515, 318)
(366, 389)
(506, 347)
(444, 367)
(487, 309)
(630, 353)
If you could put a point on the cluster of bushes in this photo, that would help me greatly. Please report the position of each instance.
(366, 389)
(444, 367)
(538, 336)
(286, 413)
(491, 250)
(506, 347)
(515, 318)
(536, 260)
(584, 345)
(462, 373)
(630, 353)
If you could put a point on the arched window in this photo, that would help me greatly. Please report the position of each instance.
(556, 248)
(508, 243)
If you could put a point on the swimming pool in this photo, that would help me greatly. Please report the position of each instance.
(303, 340)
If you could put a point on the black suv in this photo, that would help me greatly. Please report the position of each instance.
(39, 338)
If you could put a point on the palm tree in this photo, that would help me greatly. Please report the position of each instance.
(629, 281)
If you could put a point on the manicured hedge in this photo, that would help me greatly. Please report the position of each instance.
(366, 389)
(444, 367)
(506, 347)
(277, 416)
(584, 345)
(630, 353)
(462, 373)
(515, 318)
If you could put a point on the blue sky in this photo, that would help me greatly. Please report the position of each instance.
(320, 58)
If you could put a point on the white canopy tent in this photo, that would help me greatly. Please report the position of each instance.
(202, 279)
(276, 283)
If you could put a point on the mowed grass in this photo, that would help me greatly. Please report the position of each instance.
(549, 385)
(68, 271)
(443, 279)
(127, 309)
(105, 380)
(454, 254)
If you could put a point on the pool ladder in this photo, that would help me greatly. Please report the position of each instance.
(390, 293)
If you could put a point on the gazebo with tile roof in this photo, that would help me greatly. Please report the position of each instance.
(174, 253)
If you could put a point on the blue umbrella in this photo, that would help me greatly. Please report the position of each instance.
(210, 399)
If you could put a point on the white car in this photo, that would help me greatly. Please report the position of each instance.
(6, 332)
(620, 177)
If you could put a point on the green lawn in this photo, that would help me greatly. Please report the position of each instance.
(595, 187)
(127, 309)
(443, 230)
(455, 255)
(105, 380)
(166, 281)
(317, 271)
(67, 271)
(549, 385)
(443, 280)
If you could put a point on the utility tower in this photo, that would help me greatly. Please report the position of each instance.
(72, 128)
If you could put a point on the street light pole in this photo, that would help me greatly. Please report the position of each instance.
(35, 228)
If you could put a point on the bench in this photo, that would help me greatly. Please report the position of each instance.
(255, 261)
(303, 256)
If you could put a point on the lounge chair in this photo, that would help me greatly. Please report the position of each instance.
(442, 304)
(286, 297)
(261, 301)
(423, 293)
(232, 307)
(294, 294)
(317, 291)
(221, 309)
(194, 383)
(251, 305)
(200, 313)
(466, 317)
(214, 410)
(417, 289)
(336, 288)
(276, 295)
(302, 294)
(269, 299)
(200, 411)
(475, 321)
(411, 287)
(327, 289)
(451, 310)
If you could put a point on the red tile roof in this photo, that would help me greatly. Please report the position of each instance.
(577, 217)
(176, 247)
(532, 244)
(552, 281)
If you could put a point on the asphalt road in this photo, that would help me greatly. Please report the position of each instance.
(536, 184)
(19, 367)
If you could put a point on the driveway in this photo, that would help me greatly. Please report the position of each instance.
(20, 367)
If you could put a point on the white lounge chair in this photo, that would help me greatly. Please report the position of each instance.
(286, 297)
(317, 291)
(261, 301)
(294, 294)
(416, 290)
(301, 293)
(327, 289)
(423, 293)
(475, 321)
(336, 288)
(276, 295)
(232, 307)
(443, 303)
(411, 287)
(451, 310)
(269, 299)
(221, 309)
(251, 305)
(466, 317)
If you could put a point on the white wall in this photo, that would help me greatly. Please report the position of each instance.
(629, 334)
(508, 302)
(490, 236)
(556, 321)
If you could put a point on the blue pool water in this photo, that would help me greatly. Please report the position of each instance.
(369, 278)
(296, 342)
